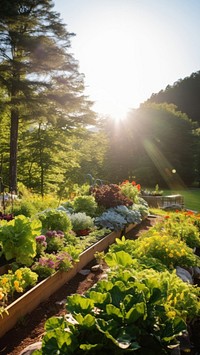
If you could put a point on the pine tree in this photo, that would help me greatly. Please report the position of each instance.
(38, 72)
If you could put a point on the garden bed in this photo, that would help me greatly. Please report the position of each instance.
(32, 298)
(164, 201)
(30, 328)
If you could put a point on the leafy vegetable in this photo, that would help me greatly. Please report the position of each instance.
(18, 239)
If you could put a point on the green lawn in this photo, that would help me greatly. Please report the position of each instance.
(191, 197)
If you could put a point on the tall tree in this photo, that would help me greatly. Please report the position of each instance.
(38, 72)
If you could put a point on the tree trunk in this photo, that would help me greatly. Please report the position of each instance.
(13, 149)
(41, 162)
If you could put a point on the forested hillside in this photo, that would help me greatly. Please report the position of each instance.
(185, 94)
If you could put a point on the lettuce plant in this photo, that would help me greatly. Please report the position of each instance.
(53, 219)
(17, 238)
(126, 313)
(55, 241)
(85, 204)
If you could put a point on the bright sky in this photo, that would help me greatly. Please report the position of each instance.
(129, 49)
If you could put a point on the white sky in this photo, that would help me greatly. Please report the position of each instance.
(129, 49)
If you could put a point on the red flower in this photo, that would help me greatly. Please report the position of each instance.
(166, 217)
(125, 182)
(133, 183)
(138, 187)
(190, 213)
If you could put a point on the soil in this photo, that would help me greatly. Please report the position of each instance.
(31, 328)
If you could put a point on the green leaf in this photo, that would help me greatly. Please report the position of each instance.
(113, 311)
(104, 286)
(107, 325)
(117, 295)
(179, 325)
(156, 295)
(79, 304)
(100, 298)
(120, 258)
(136, 312)
(88, 347)
(173, 327)
(125, 341)
(54, 323)
(85, 321)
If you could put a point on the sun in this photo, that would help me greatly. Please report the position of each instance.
(121, 63)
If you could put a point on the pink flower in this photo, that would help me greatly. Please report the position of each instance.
(40, 239)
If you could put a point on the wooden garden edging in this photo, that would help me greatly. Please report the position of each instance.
(32, 298)
(164, 201)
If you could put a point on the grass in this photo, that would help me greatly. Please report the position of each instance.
(191, 197)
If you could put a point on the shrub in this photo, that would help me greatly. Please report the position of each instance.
(24, 207)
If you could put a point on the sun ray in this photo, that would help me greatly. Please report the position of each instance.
(165, 168)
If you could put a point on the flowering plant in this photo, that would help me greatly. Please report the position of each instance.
(41, 244)
(15, 282)
(48, 264)
(131, 190)
(182, 226)
(169, 250)
(55, 240)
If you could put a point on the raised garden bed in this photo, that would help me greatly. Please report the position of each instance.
(164, 201)
(32, 298)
